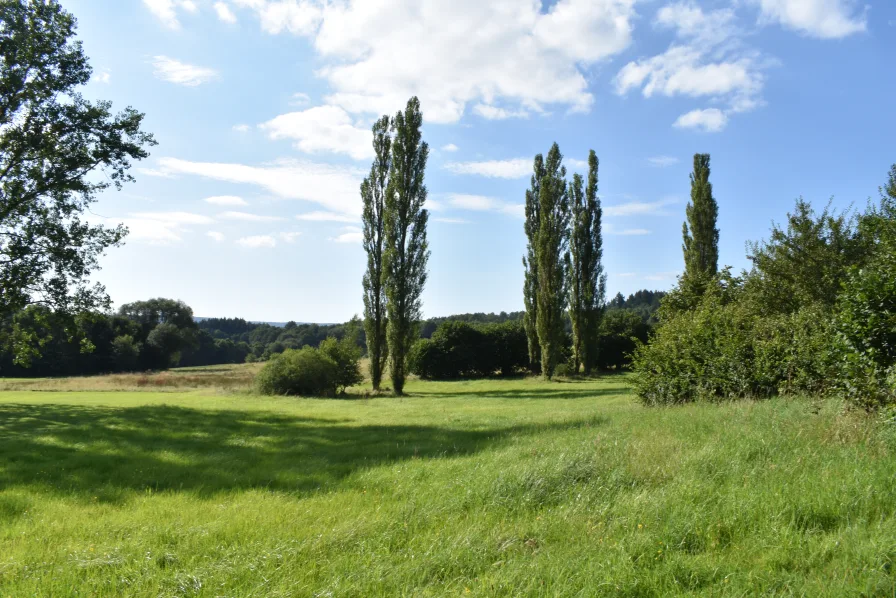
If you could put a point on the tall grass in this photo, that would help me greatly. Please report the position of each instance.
(482, 488)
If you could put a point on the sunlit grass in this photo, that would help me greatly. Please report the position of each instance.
(483, 488)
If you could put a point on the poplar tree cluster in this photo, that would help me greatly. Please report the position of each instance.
(562, 263)
(394, 223)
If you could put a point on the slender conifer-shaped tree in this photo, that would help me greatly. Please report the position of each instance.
(406, 249)
(701, 237)
(552, 256)
(586, 282)
(530, 264)
(373, 194)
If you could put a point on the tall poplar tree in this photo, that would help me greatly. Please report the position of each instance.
(530, 263)
(406, 250)
(373, 194)
(701, 237)
(552, 256)
(587, 283)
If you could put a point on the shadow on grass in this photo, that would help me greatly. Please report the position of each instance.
(563, 391)
(108, 454)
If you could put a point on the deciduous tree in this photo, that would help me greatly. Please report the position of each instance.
(373, 194)
(406, 249)
(552, 256)
(701, 237)
(530, 263)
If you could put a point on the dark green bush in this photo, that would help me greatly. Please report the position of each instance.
(346, 354)
(462, 350)
(299, 372)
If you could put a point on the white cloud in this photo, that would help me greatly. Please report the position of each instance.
(247, 217)
(215, 235)
(377, 53)
(451, 220)
(326, 217)
(661, 276)
(241, 128)
(639, 208)
(156, 172)
(708, 60)
(662, 161)
(181, 73)
(496, 113)
(224, 13)
(104, 77)
(576, 163)
(322, 129)
(450, 148)
(500, 169)
(290, 237)
(166, 10)
(158, 227)
(826, 19)
(226, 200)
(711, 120)
(299, 99)
(257, 241)
(481, 203)
(350, 234)
(333, 188)
(627, 232)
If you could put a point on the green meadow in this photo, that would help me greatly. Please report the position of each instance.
(485, 488)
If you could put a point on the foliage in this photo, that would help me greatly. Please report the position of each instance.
(621, 330)
(57, 152)
(126, 352)
(346, 354)
(406, 249)
(462, 350)
(429, 326)
(701, 237)
(586, 279)
(552, 257)
(373, 194)
(299, 372)
(530, 261)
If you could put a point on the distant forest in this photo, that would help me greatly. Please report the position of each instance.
(163, 333)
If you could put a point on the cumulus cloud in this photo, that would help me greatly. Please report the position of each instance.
(257, 241)
(825, 19)
(224, 13)
(450, 148)
(218, 237)
(377, 53)
(322, 129)
(709, 59)
(181, 73)
(241, 128)
(711, 120)
(333, 188)
(290, 237)
(158, 228)
(299, 99)
(496, 113)
(499, 169)
(166, 10)
(104, 77)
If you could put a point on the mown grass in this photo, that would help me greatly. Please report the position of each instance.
(486, 488)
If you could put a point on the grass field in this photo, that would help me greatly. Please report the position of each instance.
(491, 488)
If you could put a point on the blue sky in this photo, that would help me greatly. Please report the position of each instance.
(249, 205)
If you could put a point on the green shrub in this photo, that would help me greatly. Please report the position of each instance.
(462, 350)
(346, 354)
(299, 372)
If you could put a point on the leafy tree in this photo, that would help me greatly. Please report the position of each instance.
(890, 188)
(53, 145)
(806, 262)
(530, 262)
(701, 237)
(302, 372)
(552, 256)
(587, 283)
(126, 352)
(346, 354)
(373, 194)
(167, 341)
(406, 249)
